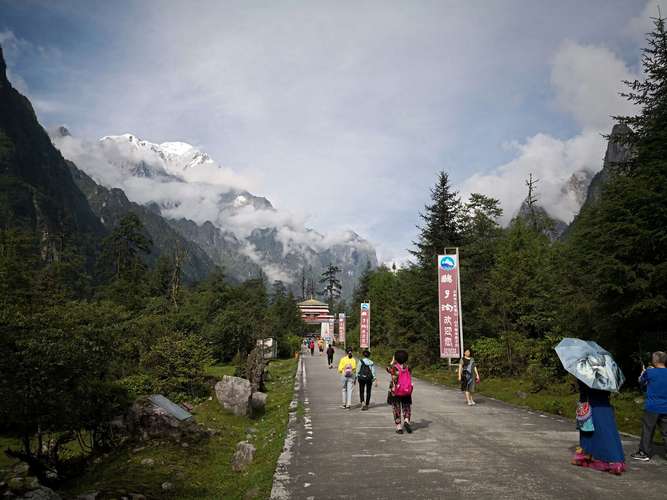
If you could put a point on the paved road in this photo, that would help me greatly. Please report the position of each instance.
(492, 450)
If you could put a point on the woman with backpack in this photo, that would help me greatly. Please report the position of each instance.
(468, 376)
(366, 377)
(347, 368)
(400, 390)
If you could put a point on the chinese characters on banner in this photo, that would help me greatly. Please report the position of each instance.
(332, 330)
(449, 306)
(324, 331)
(365, 326)
(341, 328)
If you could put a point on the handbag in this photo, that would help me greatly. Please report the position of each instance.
(584, 417)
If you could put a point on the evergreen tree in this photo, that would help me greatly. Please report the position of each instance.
(332, 287)
(122, 264)
(441, 223)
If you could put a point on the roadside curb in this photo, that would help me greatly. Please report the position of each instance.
(281, 476)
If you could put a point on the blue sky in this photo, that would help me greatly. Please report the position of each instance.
(342, 111)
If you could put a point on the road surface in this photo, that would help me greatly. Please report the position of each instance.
(492, 450)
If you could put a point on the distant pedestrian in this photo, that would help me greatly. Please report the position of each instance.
(400, 390)
(655, 408)
(365, 377)
(320, 346)
(599, 448)
(468, 376)
(347, 368)
(312, 347)
(330, 355)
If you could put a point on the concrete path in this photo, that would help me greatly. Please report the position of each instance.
(492, 450)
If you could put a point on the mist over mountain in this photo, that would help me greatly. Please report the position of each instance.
(208, 204)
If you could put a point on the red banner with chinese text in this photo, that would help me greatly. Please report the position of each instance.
(449, 306)
(341, 328)
(365, 326)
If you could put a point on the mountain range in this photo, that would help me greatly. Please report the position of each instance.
(201, 202)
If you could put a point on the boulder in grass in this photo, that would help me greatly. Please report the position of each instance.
(243, 456)
(258, 403)
(234, 393)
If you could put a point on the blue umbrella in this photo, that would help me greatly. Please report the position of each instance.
(591, 364)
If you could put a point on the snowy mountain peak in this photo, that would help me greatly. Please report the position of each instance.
(176, 148)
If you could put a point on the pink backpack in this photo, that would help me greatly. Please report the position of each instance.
(403, 385)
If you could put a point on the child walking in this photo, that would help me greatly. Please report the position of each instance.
(400, 391)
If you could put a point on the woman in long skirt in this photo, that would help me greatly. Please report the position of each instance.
(600, 449)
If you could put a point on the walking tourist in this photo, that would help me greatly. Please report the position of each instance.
(365, 377)
(655, 409)
(599, 448)
(347, 368)
(312, 347)
(400, 390)
(320, 345)
(330, 355)
(468, 376)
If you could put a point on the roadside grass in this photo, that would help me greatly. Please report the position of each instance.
(218, 371)
(559, 399)
(202, 470)
(5, 461)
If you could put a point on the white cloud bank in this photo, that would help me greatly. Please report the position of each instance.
(586, 81)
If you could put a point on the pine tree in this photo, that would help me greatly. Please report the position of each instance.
(332, 287)
(442, 225)
(121, 262)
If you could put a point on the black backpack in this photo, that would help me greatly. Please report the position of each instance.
(365, 372)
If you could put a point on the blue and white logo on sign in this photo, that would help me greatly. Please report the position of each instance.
(447, 263)
(364, 306)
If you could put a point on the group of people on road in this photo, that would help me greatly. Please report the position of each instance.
(600, 446)
(364, 372)
(399, 395)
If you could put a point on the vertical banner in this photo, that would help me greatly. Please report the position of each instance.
(341, 328)
(332, 330)
(365, 326)
(324, 330)
(449, 309)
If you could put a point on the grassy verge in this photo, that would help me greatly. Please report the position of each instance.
(5, 461)
(202, 471)
(558, 399)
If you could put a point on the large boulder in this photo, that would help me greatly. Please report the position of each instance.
(234, 393)
(243, 456)
(145, 420)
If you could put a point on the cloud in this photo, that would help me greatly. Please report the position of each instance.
(553, 162)
(639, 26)
(586, 80)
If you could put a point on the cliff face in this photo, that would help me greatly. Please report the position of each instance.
(37, 192)
(110, 205)
(617, 153)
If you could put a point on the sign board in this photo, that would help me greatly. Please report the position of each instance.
(324, 330)
(269, 347)
(341, 328)
(332, 331)
(365, 326)
(449, 306)
(170, 407)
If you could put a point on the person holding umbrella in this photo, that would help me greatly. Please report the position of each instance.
(598, 376)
